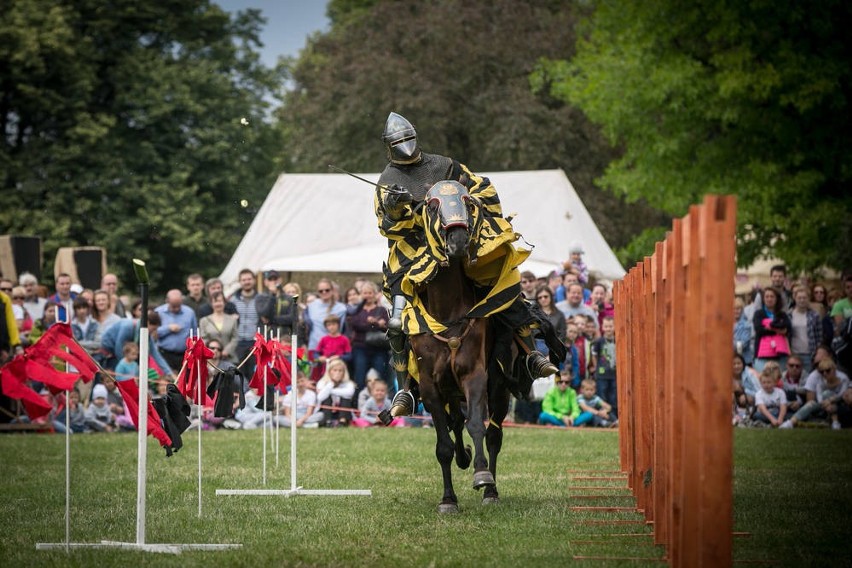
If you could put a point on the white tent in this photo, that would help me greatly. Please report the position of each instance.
(326, 223)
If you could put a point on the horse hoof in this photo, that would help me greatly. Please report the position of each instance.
(448, 508)
(490, 500)
(482, 479)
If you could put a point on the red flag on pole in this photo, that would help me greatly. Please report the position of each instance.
(36, 364)
(195, 364)
(130, 394)
(263, 355)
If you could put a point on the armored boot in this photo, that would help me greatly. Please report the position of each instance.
(537, 364)
(406, 399)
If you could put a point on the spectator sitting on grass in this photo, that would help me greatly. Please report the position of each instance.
(824, 394)
(595, 409)
(770, 401)
(559, 407)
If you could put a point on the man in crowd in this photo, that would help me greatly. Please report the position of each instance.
(212, 287)
(178, 321)
(126, 330)
(195, 293)
(245, 300)
(573, 304)
(109, 284)
(528, 285)
(63, 296)
(778, 278)
(33, 303)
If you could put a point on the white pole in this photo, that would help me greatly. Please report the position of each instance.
(67, 452)
(277, 400)
(142, 447)
(265, 404)
(200, 413)
(293, 393)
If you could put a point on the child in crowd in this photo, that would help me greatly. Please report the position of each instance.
(98, 416)
(377, 402)
(770, 401)
(306, 405)
(586, 359)
(128, 367)
(559, 407)
(575, 263)
(365, 393)
(605, 375)
(572, 359)
(77, 417)
(334, 344)
(595, 409)
(336, 390)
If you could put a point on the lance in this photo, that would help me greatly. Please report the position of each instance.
(388, 188)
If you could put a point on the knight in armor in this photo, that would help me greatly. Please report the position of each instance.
(401, 187)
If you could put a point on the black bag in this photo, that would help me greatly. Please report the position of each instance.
(377, 339)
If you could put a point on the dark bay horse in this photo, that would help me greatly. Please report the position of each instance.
(455, 385)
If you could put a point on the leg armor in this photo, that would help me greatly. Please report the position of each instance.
(406, 399)
(537, 365)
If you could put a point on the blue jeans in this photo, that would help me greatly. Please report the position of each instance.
(547, 418)
(363, 358)
(607, 390)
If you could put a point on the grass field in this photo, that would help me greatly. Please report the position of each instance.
(793, 493)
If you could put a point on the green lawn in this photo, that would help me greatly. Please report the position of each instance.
(792, 493)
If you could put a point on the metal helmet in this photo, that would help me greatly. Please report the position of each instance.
(400, 139)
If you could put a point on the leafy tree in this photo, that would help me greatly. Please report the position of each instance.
(460, 72)
(748, 98)
(141, 128)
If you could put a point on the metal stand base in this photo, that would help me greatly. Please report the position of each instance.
(296, 491)
(152, 547)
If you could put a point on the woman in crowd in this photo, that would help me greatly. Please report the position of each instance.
(40, 326)
(317, 310)
(353, 300)
(22, 317)
(805, 327)
(544, 299)
(771, 331)
(220, 326)
(743, 333)
(104, 316)
(367, 326)
(745, 385)
(819, 299)
(599, 302)
(294, 289)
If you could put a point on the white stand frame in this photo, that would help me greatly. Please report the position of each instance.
(142, 455)
(295, 489)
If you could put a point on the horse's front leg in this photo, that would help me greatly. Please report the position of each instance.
(498, 407)
(475, 388)
(444, 449)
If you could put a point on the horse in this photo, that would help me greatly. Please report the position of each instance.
(455, 385)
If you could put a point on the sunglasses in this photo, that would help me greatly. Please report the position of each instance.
(794, 365)
(825, 371)
(563, 382)
(324, 290)
(5, 289)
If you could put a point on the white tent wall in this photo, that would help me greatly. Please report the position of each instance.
(326, 223)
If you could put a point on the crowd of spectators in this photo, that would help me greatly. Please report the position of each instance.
(786, 334)
(791, 358)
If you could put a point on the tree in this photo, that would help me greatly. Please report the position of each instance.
(142, 129)
(748, 98)
(460, 72)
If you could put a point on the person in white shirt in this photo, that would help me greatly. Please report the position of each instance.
(770, 401)
(823, 390)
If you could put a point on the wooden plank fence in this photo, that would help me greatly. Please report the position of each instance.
(673, 342)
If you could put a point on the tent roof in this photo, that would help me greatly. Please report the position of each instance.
(326, 223)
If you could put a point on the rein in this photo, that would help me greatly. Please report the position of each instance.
(454, 343)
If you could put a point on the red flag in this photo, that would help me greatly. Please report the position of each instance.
(13, 379)
(281, 362)
(35, 363)
(195, 364)
(263, 355)
(130, 394)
